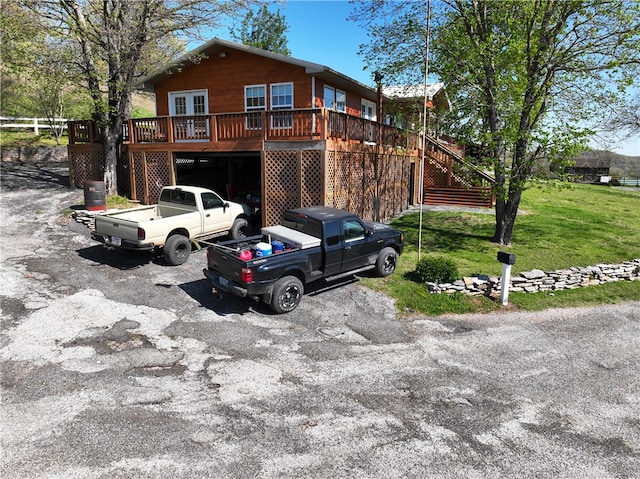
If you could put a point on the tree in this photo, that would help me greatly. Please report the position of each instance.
(264, 30)
(114, 40)
(523, 77)
(36, 80)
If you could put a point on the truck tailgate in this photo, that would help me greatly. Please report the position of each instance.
(226, 263)
(112, 226)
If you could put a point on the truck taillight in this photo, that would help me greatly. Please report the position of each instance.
(208, 255)
(246, 275)
(141, 234)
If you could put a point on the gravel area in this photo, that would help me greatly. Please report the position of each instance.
(115, 365)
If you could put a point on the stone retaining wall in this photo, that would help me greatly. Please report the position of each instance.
(38, 154)
(537, 280)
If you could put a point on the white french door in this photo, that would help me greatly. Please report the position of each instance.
(186, 106)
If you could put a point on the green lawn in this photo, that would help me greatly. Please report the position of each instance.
(21, 138)
(556, 228)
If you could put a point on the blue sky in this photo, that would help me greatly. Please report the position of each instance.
(319, 32)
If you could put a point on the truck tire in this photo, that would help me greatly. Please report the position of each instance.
(176, 250)
(240, 228)
(386, 262)
(287, 294)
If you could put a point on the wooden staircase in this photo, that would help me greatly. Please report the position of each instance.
(450, 180)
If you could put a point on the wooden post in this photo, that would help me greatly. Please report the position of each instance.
(145, 178)
(213, 124)
(132, 176)
(132, 133)
(325, 124)
(170, 135)
(265, 126)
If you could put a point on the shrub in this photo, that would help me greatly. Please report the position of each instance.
(436, 269)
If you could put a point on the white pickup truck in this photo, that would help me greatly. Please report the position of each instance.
(183, 215)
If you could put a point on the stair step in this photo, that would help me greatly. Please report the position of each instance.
(479, 197)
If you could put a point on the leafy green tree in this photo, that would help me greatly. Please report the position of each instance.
(115, 42)
(264, 29)
(36, 78)
(523, 76)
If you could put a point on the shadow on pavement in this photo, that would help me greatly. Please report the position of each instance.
(122, 260)
(17, 175)
(227, 303)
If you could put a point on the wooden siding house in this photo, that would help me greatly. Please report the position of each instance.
(271, 130)
(589, 169)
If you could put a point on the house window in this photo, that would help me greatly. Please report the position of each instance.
(341, 101)
(335, 99)
(329, 97)
(368, 110)
(180, 105)
(255, 101)
(282, 99)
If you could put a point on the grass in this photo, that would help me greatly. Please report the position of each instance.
(120, 202)
(556, 228)
(13, 138)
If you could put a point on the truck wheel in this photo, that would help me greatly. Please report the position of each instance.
(177, 249)
(386, 262)
(240, 228)
(287, 294)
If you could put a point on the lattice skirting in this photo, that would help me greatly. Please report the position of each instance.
(374, 186)
(149, 172)
(86, 163)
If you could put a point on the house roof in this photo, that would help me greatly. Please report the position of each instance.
(588, 162)
(218, 46)
(434, 91)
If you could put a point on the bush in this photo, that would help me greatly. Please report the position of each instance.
(436, 269)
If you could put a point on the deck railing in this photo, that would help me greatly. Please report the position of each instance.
(272, 125)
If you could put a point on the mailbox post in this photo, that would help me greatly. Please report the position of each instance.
(507, 259)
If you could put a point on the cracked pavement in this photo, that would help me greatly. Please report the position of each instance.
(114, 365)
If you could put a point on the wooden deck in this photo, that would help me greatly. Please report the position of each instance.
(246, 131)
(341, 149)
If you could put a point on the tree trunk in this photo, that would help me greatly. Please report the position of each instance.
(111, 142)
(506, 212)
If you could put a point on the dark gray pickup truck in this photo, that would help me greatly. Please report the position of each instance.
(310, 244)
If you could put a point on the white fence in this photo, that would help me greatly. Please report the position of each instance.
(31, 123)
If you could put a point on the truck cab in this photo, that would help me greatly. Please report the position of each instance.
(321, 243)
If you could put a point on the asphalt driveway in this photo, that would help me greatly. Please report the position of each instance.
(117, 366)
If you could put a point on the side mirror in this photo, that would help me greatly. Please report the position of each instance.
(225, 206)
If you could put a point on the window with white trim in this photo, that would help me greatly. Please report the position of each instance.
(255, 100)
(368, 110)
(341, 101)
(282, 99)
(335, 99)
(329, 97)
